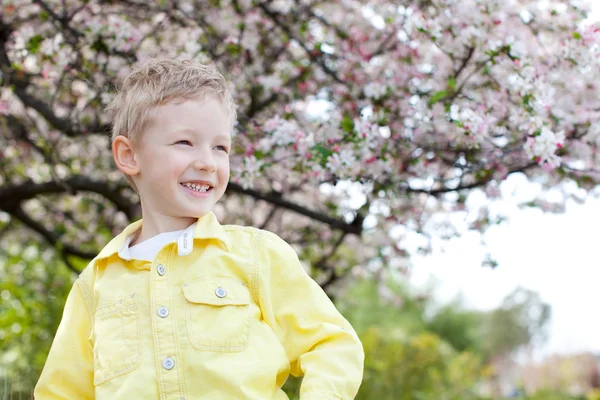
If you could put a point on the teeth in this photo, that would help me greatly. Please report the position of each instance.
(197, 188)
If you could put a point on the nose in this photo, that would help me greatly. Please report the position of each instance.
(205, 162)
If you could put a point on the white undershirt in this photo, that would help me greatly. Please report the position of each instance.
(148, 249)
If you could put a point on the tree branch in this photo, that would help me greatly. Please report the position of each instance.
(256, 106)
(323, 266)
(322, 262)
(21, 82)
(63, 22)
(472, 185)
(314, 58)
(12, 195)
(52, 238)
(63, 124)
(269, 217)
(354, 228)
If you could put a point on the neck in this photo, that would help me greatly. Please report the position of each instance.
(154, 224)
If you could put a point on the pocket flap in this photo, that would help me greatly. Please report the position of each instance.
(217, 292)
(118, 306)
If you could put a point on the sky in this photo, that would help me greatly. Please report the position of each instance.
(556, 255)
(595, 14)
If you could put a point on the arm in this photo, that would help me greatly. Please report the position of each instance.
(320, 343)
(69, 369)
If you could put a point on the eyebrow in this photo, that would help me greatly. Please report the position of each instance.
(224, 137)
(195, 132)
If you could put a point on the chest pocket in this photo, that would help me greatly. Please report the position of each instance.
(217, 314)
(116, 338)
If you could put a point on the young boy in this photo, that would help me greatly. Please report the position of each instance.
(179, 306)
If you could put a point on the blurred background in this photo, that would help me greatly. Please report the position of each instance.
(434, 163)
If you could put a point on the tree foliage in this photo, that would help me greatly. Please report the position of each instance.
(419, 349)
(360, 122)
(356, 117)
(521, 320)
(33, 291)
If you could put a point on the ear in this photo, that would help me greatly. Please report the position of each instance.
(124, 156)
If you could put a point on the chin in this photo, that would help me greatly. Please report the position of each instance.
(199, 213)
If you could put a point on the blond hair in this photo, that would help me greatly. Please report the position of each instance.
(158, 82)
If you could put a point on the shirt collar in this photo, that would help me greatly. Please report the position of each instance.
(206, 227)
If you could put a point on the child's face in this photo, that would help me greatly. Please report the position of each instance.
(183, 151)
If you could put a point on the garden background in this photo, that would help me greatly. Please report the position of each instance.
(433, 162)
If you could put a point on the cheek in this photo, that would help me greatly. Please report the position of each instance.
(224, 171)
(175, 166)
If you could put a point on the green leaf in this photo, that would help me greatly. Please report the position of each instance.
(303, 27)
(347, 124)
(452, 83)
(260, 154)
(577, 35)
(233, 49)
(323, 151)
(34, 44)
(438, 96)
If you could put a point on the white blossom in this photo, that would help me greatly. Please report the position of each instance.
(543, 147)
(375, 90)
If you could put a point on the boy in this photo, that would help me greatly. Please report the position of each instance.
(179, 306)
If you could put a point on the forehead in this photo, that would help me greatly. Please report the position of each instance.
(205, 116)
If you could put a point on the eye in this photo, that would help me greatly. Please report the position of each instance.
(222, 148)
(184, 142)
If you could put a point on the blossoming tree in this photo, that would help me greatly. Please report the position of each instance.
(360, 121)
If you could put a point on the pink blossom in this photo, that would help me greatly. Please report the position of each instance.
(272, 123)
(418, 120)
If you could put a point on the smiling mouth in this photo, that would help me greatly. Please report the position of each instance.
(201, 188)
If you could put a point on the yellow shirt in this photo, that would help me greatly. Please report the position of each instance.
(225, 312)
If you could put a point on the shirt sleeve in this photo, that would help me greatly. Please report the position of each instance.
(69, 369)
(320, 343)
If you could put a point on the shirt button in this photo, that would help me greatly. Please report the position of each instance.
(168, 363)
(220, 292)
(161, 270)
(163, 311)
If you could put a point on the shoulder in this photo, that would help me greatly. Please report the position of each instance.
(260, 239)
(251, 233)
(85, 283)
